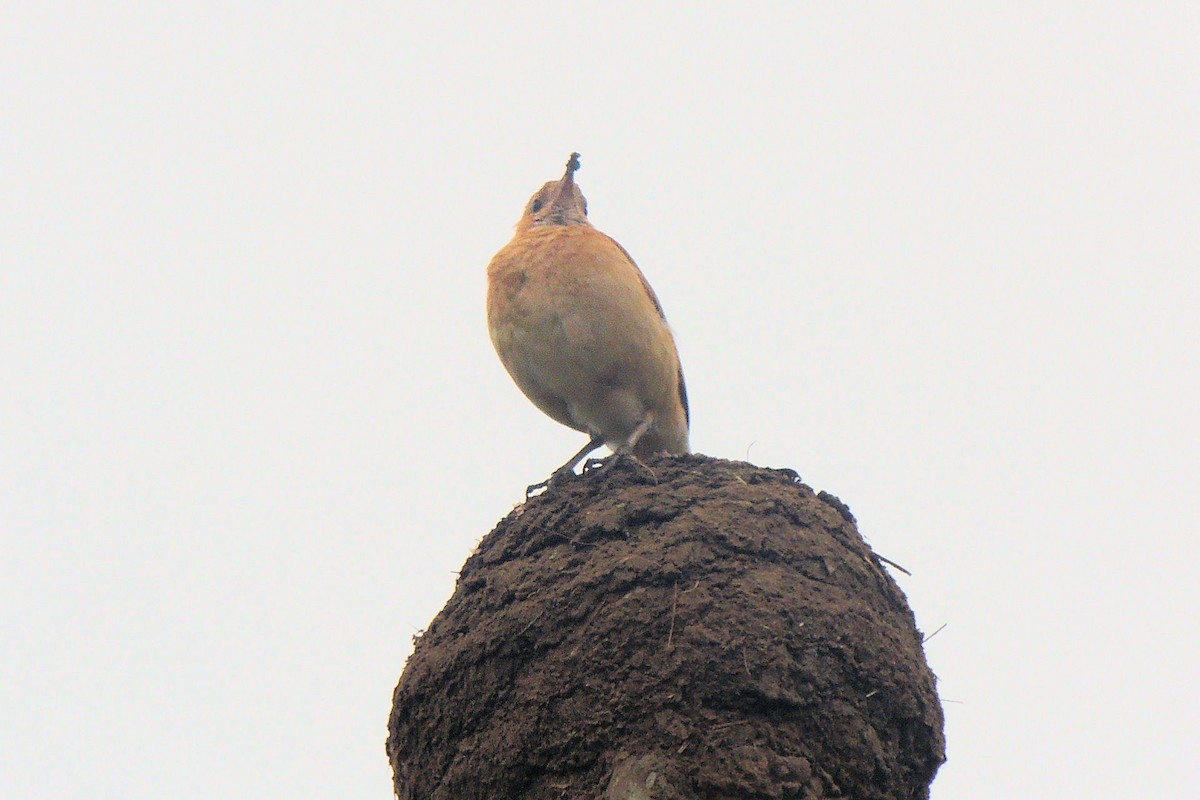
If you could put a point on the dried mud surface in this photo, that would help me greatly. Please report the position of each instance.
(698, 629)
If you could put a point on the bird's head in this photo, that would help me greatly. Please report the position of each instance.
(558, 202)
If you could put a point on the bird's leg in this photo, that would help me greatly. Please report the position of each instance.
(566, 469)
(624, 451)
(642, 427)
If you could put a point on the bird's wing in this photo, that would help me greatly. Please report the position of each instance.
(687, 414)
(641, 277)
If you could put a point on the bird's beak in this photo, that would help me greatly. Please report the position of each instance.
(565, 195)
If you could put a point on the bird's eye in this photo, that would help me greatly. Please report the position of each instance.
(536, 206)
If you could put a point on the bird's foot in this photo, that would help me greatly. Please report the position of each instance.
(594, 464)
(605, 464)
(556, 479)
(567, 470)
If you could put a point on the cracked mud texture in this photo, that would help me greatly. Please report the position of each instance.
(698, 629)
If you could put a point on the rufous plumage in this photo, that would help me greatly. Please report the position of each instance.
(581, 332)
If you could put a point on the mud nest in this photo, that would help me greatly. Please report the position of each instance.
(690, 628)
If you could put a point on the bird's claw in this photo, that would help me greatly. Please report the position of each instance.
(556, 479)
(593, 464)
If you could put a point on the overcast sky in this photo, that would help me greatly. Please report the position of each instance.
(941, 261)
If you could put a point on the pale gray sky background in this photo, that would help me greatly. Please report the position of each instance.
(941, 260)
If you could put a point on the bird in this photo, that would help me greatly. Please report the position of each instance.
(581, 332)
